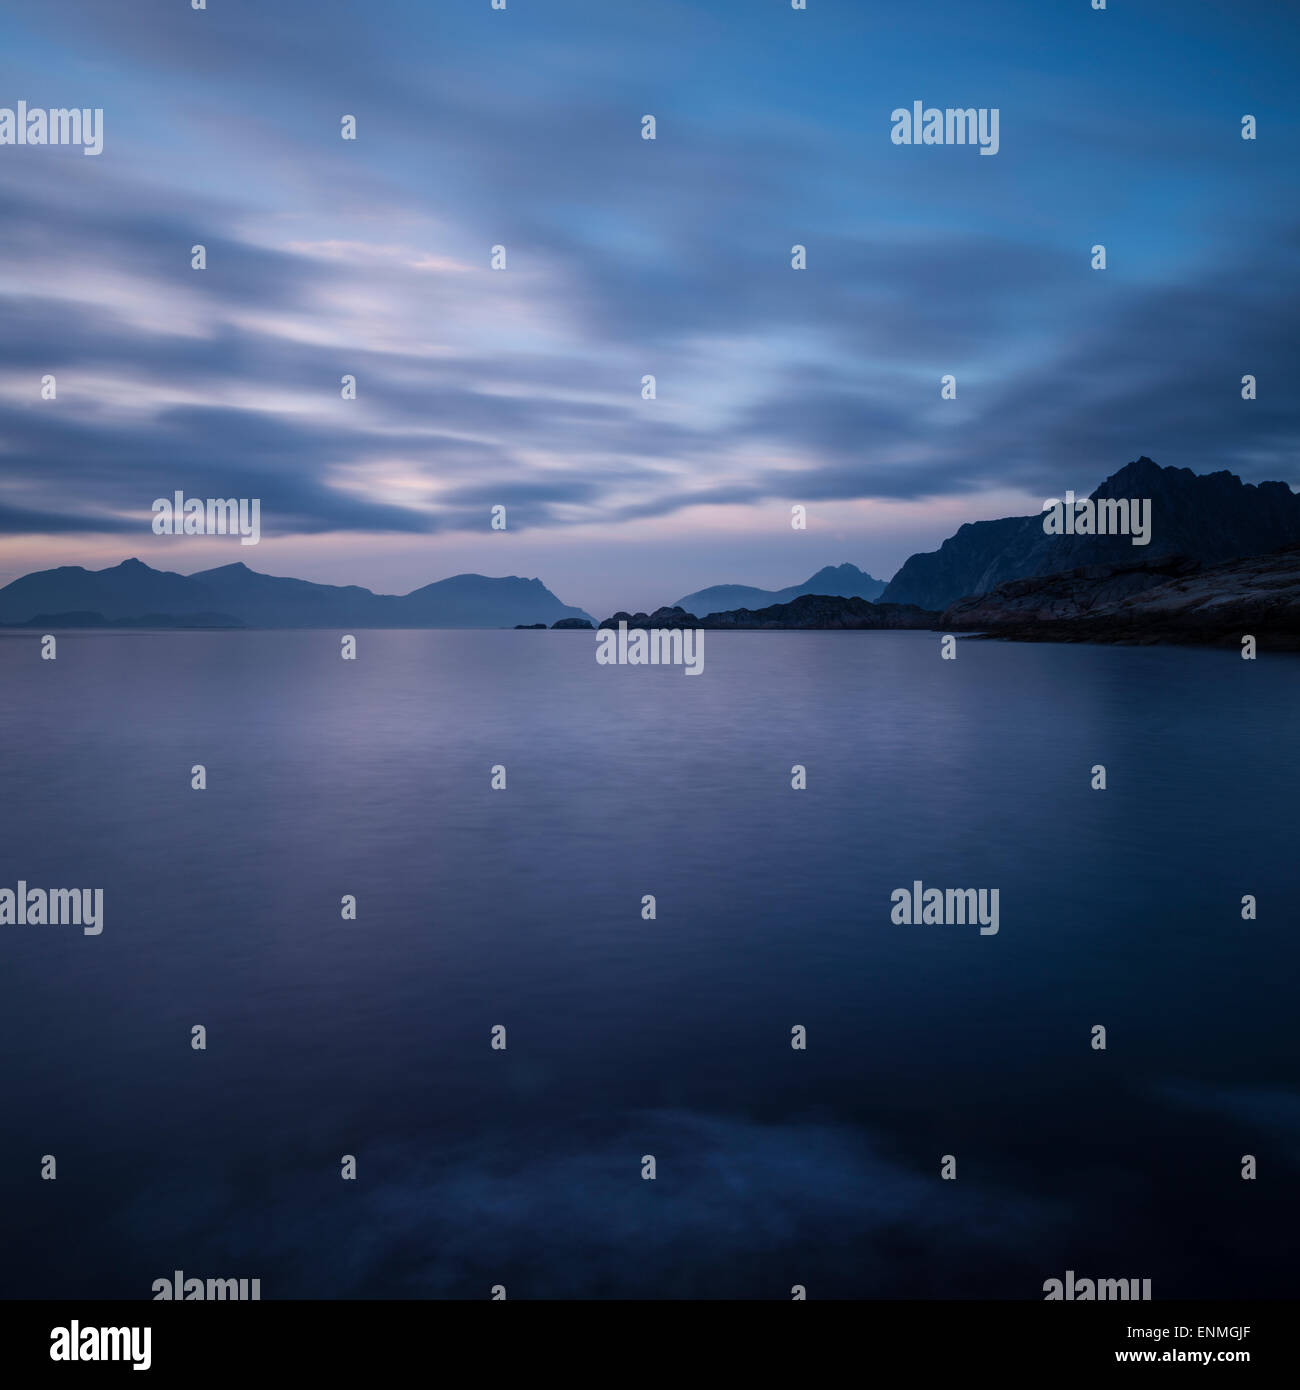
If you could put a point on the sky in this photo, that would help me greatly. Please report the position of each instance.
(627, 257)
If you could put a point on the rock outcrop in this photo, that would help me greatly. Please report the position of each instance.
(1178, 600)
(810, 612)
(661, 618)
(1209, 518)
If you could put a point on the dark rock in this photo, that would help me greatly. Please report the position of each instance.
(1187, 602)
(660, 618)
(824, 612)
(572, 625)
(809, 611)
(1209, 518)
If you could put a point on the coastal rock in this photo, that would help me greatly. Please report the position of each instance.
(1211, 518)
(824, 612)
(660, 618)
(1072, 594)
(813, 612)
(1189, 602)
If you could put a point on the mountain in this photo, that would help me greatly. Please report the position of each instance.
(1172, 600)
(818, 612)
(120, 592)
(132, 593)
(1209, 518)
(264, 600)
(843, 581)
(471, 600)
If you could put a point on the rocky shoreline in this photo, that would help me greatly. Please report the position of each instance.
(809, 612)
(1171, 599)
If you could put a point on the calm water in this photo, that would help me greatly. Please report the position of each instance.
(523, 907)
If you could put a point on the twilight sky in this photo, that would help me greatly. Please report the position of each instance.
(626, 257)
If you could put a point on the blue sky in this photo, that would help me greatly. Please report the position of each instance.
(625, 257)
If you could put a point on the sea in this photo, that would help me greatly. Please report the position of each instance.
(554, 1047)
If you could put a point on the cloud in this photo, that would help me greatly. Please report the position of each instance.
(627, 258)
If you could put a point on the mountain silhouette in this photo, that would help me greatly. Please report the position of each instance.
(1210, 518)
(133, 592)
(836, 581)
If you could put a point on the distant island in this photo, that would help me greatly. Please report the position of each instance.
(844, 581)
(134, 595)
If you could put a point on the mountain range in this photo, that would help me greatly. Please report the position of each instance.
(134, 594)
(1209, 518)
(1202, 520)
(842, 581)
